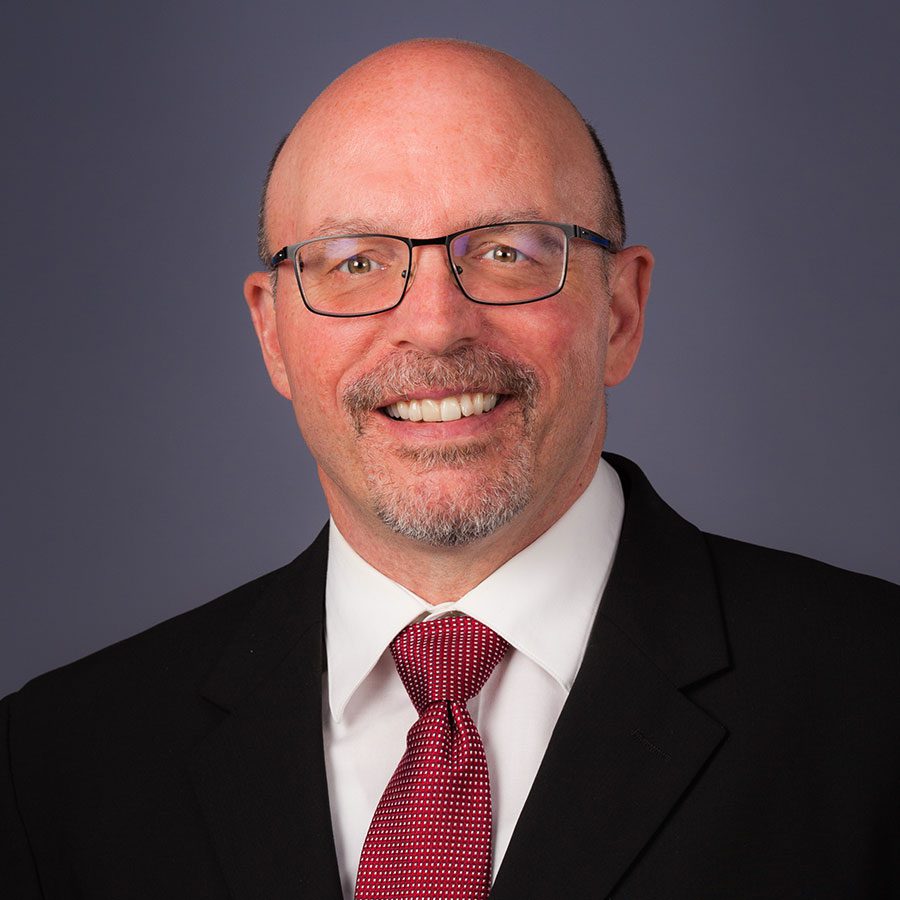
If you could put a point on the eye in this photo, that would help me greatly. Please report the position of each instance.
(503, 253)
(358, 265)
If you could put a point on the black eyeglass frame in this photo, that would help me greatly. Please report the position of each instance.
(570, 231)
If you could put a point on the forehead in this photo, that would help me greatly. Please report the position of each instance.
(426, 149)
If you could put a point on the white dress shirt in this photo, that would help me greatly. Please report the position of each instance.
(542, 601)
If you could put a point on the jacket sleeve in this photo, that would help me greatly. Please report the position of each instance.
(18, 874)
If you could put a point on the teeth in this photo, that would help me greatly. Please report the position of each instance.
(431, 411)
(445, 410)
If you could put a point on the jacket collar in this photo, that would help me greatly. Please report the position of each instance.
(662, 592)
(290, 603)
(629, 742)
(260, 775)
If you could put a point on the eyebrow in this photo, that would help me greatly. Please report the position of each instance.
(332, 225)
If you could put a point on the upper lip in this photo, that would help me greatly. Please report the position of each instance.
(433, 394)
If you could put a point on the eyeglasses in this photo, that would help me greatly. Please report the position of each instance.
(500, 265)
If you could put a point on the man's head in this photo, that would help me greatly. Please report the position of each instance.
(424, 139)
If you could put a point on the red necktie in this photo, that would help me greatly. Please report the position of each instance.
(430, 836)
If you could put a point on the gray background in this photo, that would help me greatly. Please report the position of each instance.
(148, 466)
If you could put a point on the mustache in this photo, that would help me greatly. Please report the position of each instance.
(406, 372)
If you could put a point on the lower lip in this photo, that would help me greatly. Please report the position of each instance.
(467, 426)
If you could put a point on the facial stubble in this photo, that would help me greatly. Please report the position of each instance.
(481, 497)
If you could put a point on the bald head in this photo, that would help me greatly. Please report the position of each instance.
(414, 114)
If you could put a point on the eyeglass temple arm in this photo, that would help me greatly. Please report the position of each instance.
(594, 238)
(279, 257)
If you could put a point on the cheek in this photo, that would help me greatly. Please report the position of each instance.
(564, 338)
(320, 356)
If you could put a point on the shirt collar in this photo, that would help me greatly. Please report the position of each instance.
(543, 600)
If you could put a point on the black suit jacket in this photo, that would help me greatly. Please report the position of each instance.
(733, 732)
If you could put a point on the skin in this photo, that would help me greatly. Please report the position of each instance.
(422, 139)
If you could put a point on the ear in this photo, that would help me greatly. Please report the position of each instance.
(261, 300)
(629, 289)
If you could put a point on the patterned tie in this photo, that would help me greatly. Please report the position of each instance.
(430, 836)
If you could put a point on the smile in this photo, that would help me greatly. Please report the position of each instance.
(447, 409)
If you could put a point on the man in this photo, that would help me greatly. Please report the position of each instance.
(656, 712)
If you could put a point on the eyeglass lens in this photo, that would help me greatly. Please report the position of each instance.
(494, 264)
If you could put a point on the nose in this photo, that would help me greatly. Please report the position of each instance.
(434, 316)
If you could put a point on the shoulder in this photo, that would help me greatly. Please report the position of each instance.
(786, 620)
(745, 569)
(133, 714)
(166, 665)
(162, 658)
(803, 614)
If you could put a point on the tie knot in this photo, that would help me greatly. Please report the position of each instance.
(446, 659)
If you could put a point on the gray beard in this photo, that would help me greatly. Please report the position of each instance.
(424, 514)
(425, 517)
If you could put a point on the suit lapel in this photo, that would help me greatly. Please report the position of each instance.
(260, 775)
(628, 743)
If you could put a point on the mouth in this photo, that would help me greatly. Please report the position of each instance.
(464, 394)
(443, 409)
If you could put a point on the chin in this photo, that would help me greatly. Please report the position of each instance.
(452, 511)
